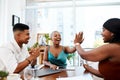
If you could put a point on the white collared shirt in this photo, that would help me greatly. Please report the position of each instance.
(11, 54)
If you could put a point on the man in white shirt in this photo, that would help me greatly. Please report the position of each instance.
(14, 56)
(7, 60)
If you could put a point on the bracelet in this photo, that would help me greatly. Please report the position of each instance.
(77, 44)
(28, 60)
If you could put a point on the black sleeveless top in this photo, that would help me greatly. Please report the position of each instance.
(109, 70)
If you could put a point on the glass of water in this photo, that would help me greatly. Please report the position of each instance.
(29, 73)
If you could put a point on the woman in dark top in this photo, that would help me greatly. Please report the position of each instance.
(108, 55)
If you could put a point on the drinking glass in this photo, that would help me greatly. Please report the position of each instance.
(29, 73)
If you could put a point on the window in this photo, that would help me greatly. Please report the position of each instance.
(70, 17)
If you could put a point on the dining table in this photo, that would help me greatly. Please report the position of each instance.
(70, 72)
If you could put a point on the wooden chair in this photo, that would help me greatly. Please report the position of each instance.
(42, 48)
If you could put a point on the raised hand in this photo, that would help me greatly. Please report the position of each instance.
(79, 38)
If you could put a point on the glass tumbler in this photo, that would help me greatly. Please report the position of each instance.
(29, 73)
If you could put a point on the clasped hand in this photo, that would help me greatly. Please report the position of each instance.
(35, 51)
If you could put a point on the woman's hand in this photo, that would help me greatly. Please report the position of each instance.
(79, 38)
(92, 70)
(54, 67)
(87, 68)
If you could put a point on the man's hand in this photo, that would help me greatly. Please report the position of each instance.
(35, 52)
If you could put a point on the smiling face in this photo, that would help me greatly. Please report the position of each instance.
(24, 36)
(107, 35)
(56, 37)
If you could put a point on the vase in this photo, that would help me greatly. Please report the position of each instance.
(3, 78)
